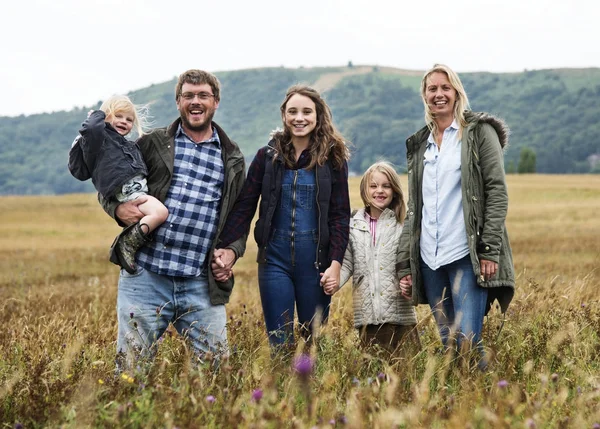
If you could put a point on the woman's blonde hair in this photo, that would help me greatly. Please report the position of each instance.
(398, 205)
(121, 103)
(326, 140)
(461, 104)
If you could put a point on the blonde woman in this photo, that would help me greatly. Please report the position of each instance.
(455, 249)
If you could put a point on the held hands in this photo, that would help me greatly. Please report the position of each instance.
(128, 212)
(406, 286)
(222, 264)
(487, 269)
(330, 279)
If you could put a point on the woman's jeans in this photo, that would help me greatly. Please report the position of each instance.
(284, 286)
(290, 278)
(456, 300)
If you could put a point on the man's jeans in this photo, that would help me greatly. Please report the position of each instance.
(147, 302)
(462, 307)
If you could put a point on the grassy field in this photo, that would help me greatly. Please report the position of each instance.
(57, 308)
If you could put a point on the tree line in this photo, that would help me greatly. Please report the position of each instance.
(553, 117)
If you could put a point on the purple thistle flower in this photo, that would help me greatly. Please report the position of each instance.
(596, 426)
(131, 315)
(210, 399)
(502, 384)
(18, 425)
(257, 395)
(381, 376)
(303, 365)
(554, 377)
(332, 422)
(530, 424)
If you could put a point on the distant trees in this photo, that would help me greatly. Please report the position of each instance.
(527, 161)
(553, 117)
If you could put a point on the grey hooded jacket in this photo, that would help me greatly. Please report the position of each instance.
(484, 200)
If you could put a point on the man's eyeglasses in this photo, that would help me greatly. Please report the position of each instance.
(191, 95)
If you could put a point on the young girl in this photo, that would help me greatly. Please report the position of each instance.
(383, 315)
(301, 179)
(115, 165)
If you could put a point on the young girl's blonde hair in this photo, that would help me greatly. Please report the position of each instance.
(398, 205)
(121, 103)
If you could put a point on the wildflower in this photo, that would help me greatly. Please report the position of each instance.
(127, 378)
(332, 422)
(343, 420)
(257, 395)
(554, 377)
(596, 426)
(303, 365)
(131, 315)
(18, 425)
(530, 424)
(355, 381)
(381, 376)
(210, 399)
(100, 381)
(502, 384)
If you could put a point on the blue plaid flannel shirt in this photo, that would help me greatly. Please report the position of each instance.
(181, 244)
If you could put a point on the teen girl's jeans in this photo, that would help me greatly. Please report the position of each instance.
(148, 302)
(290, 278)
(456, 300)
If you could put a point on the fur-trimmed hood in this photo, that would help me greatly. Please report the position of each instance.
(498, 124)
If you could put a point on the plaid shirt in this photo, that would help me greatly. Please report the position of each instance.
(181, 244)
(238, 221)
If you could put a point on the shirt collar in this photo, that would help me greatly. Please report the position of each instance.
(212, 139)
(453, 125)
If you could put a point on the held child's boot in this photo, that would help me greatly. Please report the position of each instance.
(127, 244)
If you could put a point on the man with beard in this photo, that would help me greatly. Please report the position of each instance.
(197, 172)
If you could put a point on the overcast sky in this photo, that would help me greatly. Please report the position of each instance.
(65, 53)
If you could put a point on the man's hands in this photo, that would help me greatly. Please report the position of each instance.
(222, 264)
(128, 212)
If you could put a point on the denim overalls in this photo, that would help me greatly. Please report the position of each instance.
(290, 276)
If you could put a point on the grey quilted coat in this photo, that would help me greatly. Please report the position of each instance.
(375, 283)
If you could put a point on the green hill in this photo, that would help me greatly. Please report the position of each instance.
(553, 112)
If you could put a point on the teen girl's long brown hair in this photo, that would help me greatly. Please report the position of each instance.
(326, 140)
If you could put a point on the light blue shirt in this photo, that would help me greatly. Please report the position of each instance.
(443, 232)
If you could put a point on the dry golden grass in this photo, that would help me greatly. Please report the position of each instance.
(57, 307)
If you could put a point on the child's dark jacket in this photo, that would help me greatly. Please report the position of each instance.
(105, 156)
